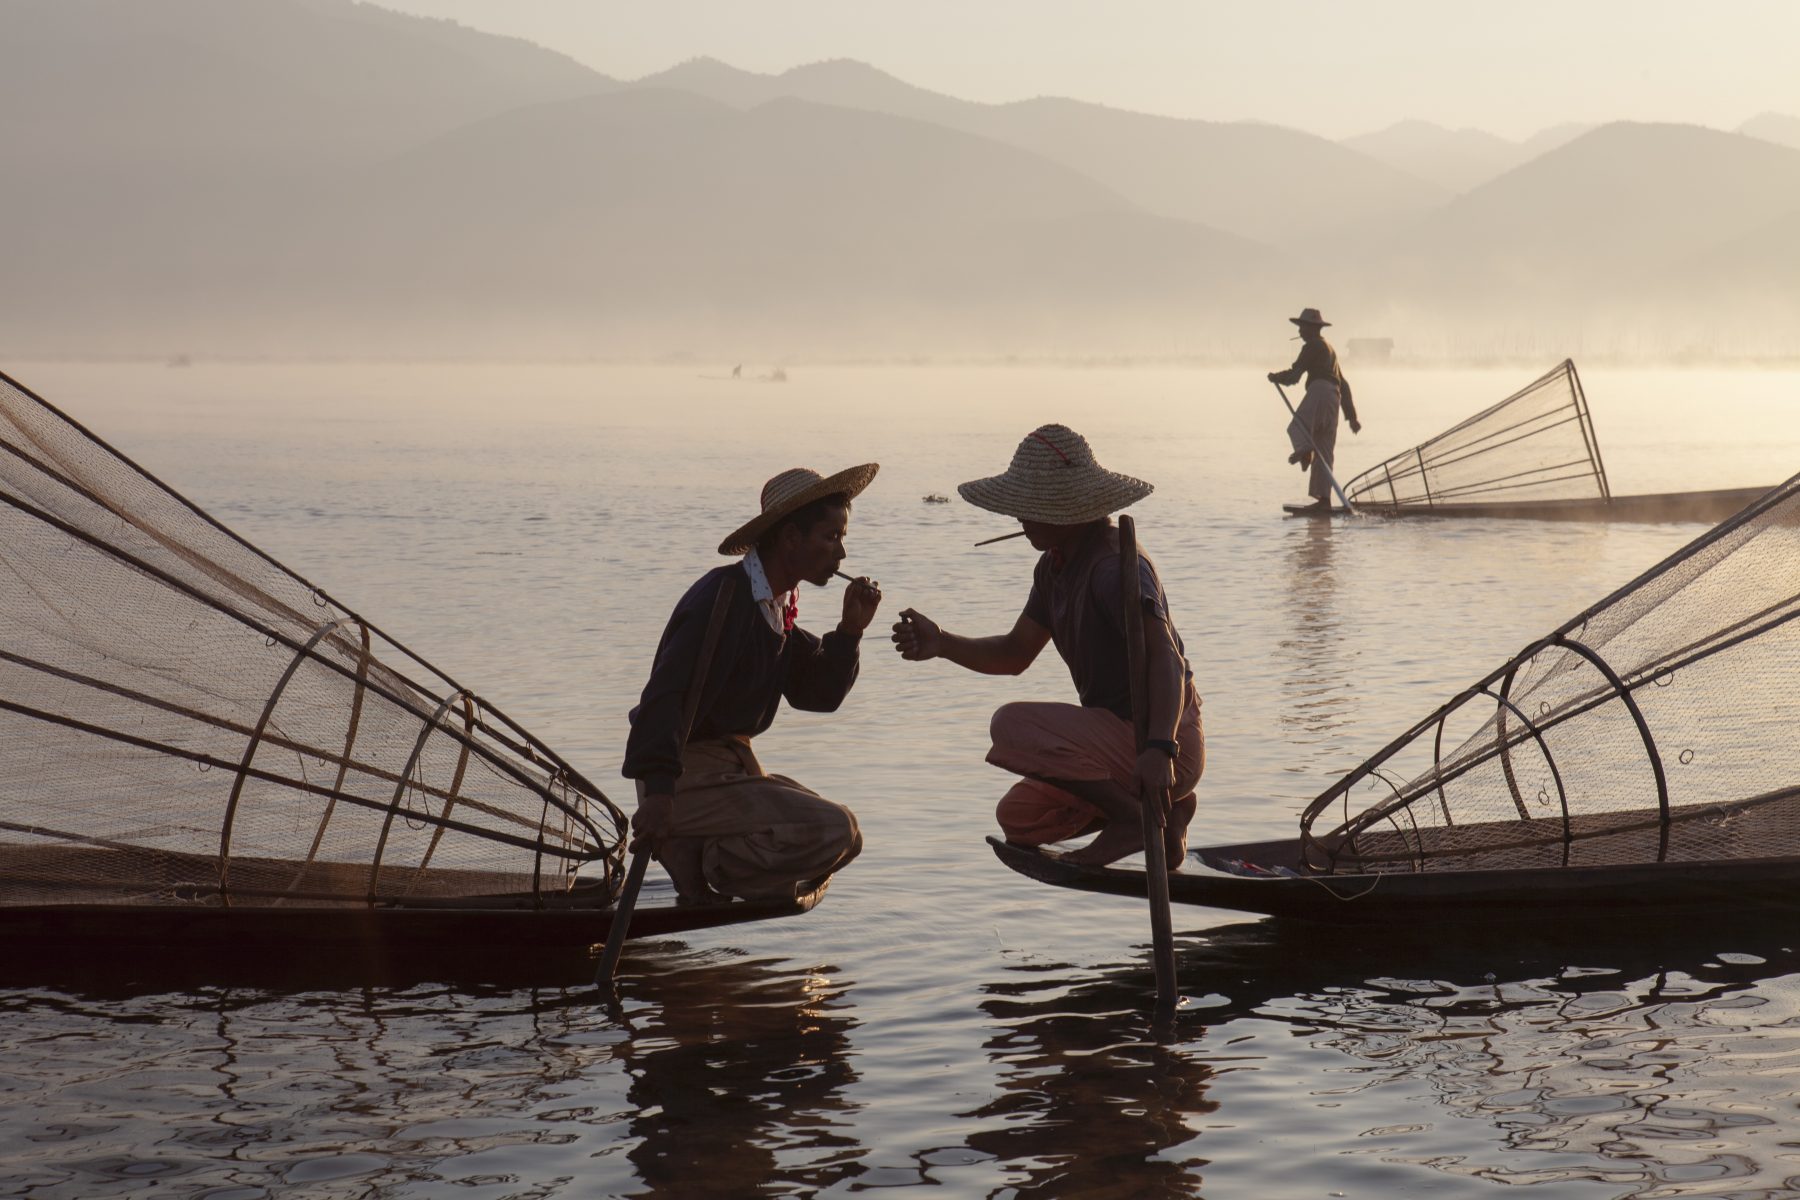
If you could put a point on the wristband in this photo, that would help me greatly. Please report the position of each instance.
(1165, 745)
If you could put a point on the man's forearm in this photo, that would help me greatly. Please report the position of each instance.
(987, 656)
(1167, 683)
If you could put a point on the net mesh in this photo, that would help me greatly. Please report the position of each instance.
(186, 721)
(1535, 445)
(1654, 727)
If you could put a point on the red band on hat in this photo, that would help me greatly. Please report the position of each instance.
(1040, 437)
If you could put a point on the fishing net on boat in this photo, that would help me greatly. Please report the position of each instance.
(1536, 445)
(1657, 726)
(183, 720)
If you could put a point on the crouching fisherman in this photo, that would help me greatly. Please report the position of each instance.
(719, 824)
(1080, 767)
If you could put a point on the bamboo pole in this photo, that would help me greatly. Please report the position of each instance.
(1155, 804)
(640, 855)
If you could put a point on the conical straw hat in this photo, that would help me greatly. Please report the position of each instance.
(790, 491)
(1055, 480)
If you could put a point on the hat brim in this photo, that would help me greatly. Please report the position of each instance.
(1298, 321)
(1098, 493)
(850, 482)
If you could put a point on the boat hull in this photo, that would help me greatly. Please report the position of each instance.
(1438, 897)
(495, 940)
(1658, 508)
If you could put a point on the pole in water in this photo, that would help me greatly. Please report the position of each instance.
(1317, 457)
(1155, 804)
(640, 857)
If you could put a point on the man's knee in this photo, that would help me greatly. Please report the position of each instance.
(1012, 723)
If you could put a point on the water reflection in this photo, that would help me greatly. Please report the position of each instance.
(740, 1066)
(1656, 1060)
(739, 1072)
(1089, 1102)
(1317, 683)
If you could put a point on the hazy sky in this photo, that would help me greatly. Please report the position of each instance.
(1330, 66)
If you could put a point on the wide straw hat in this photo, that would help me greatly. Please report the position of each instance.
(791, 491)
(1309, 316)
(1054, 480)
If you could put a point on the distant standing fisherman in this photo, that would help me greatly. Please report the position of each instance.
(1315, 423)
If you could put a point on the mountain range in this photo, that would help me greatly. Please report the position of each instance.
(328, 177)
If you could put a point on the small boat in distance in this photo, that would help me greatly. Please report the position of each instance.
(1533, 456)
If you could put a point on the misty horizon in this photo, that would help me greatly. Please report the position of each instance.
(322, 179)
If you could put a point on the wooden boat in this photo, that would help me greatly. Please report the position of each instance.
(208, 757)
(516, 937)
(1534, 456)
(1525, 895)
(1660, 508)
(1636, 759)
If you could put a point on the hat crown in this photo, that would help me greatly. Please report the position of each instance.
(1309, 316)
(786, 485)
(1050, 448)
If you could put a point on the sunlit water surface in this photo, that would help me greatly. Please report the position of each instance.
(937, 1020)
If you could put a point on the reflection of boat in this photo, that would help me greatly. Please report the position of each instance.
(206, 752)
(1637, 757)
(1533, 456)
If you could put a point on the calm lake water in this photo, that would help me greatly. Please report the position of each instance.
(937, 1021)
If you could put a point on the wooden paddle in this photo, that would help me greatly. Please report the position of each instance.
(1320, 458)
(1155, 804)
(640, 856)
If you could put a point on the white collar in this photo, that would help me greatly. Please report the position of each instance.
(772, 606)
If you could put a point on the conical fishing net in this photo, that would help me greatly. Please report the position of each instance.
(183, 720)
(1657, 726)
(1537, 444)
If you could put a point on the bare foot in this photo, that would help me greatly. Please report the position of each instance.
(1117, 840)
(1175, 832)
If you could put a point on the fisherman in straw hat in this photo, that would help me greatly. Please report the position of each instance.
(1313, 431)
(1079, 764)
(720, 825)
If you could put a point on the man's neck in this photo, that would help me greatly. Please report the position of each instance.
(1066, 548)
(782, 577)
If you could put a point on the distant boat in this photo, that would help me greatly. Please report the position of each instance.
(935, 498)
(1532, 456)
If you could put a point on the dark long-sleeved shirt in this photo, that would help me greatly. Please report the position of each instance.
(752, 669)
(1319, 361)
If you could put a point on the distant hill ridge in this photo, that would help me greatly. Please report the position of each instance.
(302, 176)
(1237, 176)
